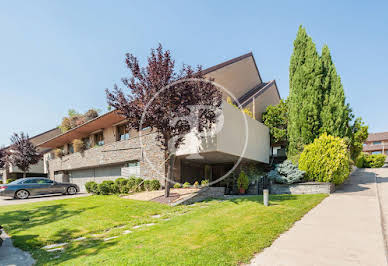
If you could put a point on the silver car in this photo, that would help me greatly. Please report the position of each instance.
(26, 187)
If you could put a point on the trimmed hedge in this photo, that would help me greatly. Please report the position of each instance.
(370, 160)
(326, 160)
(122, 186)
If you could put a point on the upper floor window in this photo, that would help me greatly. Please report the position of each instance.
(122, 132)
(146, 128)
(99, 138)
(376, 152)
(376, 142)
(70, 147)
(86, 142)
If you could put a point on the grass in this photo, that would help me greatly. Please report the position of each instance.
(209, 233)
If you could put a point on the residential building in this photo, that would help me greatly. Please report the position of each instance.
(377, 143)
(112, 151)
(37, 170)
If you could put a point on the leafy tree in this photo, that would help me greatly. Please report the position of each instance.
(174, 96)
(276, 118)
(335, 114)
(75, 119)
(305, 98)
(3, 157)
(22, 153)
(358, 135)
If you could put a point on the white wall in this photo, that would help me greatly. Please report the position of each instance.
(231, 138)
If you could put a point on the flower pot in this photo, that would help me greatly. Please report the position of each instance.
(242, 190)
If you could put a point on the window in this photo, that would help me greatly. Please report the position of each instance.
(70, 147)
(122, 132)
(86, 142)
(376, 152)
(31, 181)
(44, 181)
(376, 142)
(132, 164)
(386, 152)
(145, 128)
(99, 139)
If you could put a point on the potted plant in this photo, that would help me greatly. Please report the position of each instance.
(242, 182)
(58, 153)
(78, 145)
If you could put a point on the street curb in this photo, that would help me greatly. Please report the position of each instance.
(382, 219)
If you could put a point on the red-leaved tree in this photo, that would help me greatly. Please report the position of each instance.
(22, 153)
(158, 96)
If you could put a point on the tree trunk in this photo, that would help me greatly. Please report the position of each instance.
(24, 174)
(170, 175)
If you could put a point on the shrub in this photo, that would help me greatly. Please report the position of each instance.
(114, 188)
(196, 184)
(204, 183)
(326, 160)
(104, 188)
(91, 187)
(139, 185)
(147, 185)
(155, 184)
(370, 160)
(78, 145)
(177, 185)
(186, 185)
(242, 180)
(131, 183)
(58, 153)
(286, 173)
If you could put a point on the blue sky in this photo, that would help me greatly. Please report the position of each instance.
(57, 55)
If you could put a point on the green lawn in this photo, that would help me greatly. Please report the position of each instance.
(208, 233)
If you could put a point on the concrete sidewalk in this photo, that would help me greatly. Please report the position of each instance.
(345, 229)
(11, 256)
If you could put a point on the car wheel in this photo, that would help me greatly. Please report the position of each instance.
(22, 194)
(71, 190)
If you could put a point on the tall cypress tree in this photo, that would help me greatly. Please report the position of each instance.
(335, 115)
(305, 98)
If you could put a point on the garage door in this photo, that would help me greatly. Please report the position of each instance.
(81, 177)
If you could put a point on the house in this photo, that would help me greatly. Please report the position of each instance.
(376, 143)
(112, 151)
(37, 170)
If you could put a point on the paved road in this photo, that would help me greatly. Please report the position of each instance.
(9, 201)
(345, 229)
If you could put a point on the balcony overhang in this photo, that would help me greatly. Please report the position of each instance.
(84, 130)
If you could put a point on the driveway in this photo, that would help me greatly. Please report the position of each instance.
(9, 201)
(345, 229)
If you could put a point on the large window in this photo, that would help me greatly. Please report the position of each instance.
(376, 152)
(122, 132)
(70, 147)
(376, 142)
(99, 139)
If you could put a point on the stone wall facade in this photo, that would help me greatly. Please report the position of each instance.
(303, 188)
(151, 157)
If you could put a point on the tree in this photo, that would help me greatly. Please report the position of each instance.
(305, 98)
(75, 119)
(358, 135)
(169, 96)
(3, 157)
(276, 119)
(335, 114)
(22, 153)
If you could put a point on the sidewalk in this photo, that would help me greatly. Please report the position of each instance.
(344, 229)
(11, 256)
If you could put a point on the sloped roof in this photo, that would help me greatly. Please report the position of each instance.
(377, 136)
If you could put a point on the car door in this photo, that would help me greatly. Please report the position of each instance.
(32, 186)
(44, 186)
(57, 187)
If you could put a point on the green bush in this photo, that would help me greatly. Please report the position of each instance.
(155, 184)
(177, 185)
(9, 180)
(114, 188)
(204, 182)
(242, 180)
(131, 183)
(370, 160)
(286, 173)
(326, 160)
(119, 181)
(91, 187)
(196, 184)
(104, 188)
(147, 185)
(186, 185)
(139, 185)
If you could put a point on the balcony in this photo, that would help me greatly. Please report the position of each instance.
(228, 143)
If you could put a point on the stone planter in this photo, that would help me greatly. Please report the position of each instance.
(303, 188)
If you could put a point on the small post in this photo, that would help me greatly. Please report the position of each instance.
(265, 196)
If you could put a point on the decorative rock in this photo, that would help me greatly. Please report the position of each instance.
(156, 216)
(151, 224)
(55, 249)
(127, 232)
(79, 239)
(137, 226)
(110, 238)
(54, 246)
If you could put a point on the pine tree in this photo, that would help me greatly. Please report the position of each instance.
(335, 114)
(305, 98)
